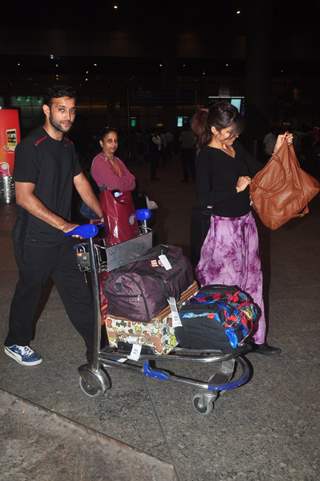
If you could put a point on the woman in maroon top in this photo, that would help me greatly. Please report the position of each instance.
(108, 171)
(115, 182)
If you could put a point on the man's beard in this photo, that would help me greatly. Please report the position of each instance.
(58, 127)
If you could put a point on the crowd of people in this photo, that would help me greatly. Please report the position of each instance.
(156, 148)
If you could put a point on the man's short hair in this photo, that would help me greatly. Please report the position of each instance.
(57, 91)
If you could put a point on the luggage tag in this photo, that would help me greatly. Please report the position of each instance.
(176, 321)
(165, 262)
(135, 352)
(122, 360)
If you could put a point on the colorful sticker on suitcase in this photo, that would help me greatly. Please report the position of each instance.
(159, 334)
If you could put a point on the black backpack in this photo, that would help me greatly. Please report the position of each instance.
(217, 317)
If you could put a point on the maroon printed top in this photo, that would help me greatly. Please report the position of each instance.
(106, 177)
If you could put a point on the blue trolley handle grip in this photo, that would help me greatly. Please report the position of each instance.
(86, 231)
(143, 214)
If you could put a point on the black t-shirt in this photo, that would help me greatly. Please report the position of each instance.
(217, 176)
(50, 165)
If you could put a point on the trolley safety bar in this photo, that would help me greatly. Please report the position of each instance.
(163, 375)
(228, 386)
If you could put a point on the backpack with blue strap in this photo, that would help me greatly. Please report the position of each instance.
(217, 317)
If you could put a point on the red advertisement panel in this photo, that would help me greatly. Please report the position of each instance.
(9, 138)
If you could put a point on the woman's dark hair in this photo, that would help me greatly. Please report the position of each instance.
(106, 130)
(57, 91)
(219, 115)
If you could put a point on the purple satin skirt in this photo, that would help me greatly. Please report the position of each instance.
(230, 256)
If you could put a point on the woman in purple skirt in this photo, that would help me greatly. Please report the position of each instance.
(230, 252)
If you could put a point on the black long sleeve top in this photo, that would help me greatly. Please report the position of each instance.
(217, 176)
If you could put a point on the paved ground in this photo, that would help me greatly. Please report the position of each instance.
(268, 430)
(59, 449)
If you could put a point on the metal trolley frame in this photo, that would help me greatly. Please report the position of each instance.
(234, 369)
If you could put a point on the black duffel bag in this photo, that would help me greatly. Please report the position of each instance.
(218, 317)
(139, 291)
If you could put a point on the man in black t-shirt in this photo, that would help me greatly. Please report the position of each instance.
(46, 170)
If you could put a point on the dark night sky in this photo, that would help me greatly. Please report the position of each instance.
(143, 14)
(157, 22)
(294, 46)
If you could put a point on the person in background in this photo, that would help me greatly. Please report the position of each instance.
(188, 151)
(269, 140)
(169, 139)
(46, 171)
(116, 183)
(107, 170)
(154, 154)
(230, 252)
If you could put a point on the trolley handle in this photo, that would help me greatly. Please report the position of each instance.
(86, 231)
(142, 216)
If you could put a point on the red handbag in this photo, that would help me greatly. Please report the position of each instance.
(119, 216)
(282, 190)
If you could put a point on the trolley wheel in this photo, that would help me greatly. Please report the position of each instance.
(93, 383)
(204, 403)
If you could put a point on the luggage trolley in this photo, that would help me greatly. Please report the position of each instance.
(94, 257)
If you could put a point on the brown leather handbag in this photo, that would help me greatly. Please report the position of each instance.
(282, 190)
